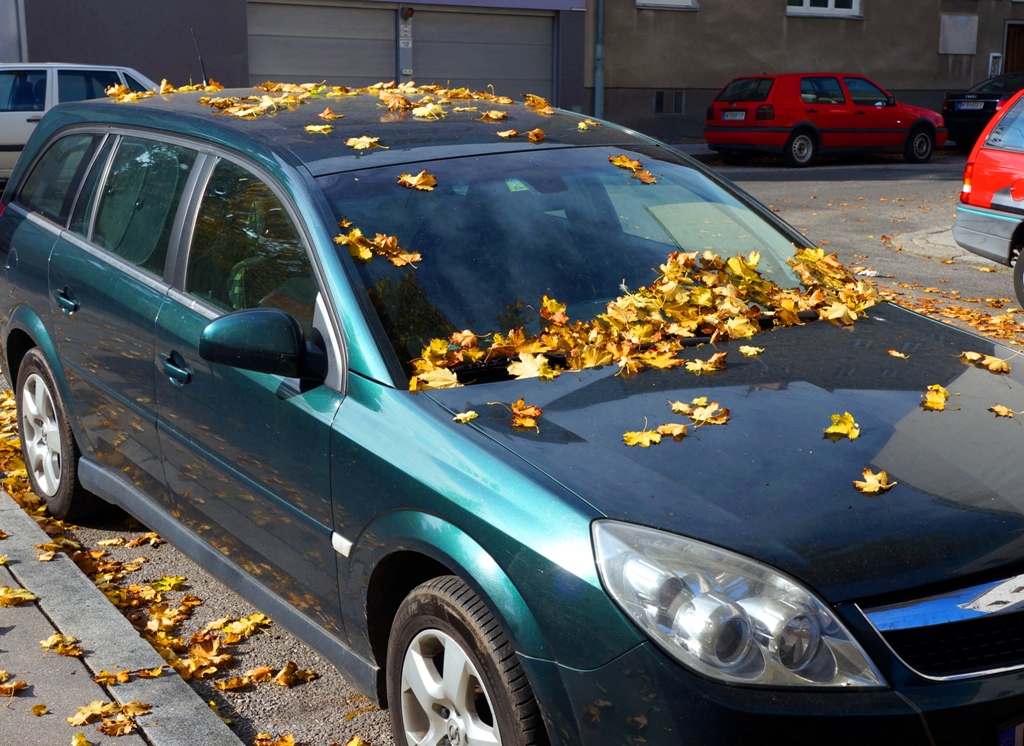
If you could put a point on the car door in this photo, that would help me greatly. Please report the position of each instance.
(23, 99)
(879, 125)
(247, 454)
(106, 286)
(826, 105)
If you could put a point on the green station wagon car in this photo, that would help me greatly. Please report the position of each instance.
(201, 330)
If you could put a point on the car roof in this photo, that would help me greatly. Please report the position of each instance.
(23, 65)
(407, 139)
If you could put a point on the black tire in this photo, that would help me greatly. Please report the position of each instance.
(54, 475)
(432, 616)
(733, 158)
(801, 149)
(920, 145)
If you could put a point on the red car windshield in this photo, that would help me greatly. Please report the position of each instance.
(746, 89)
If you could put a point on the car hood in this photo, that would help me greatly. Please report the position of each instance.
(769, 484)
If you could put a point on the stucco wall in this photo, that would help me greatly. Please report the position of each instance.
(152, 37)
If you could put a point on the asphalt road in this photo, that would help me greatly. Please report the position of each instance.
(845, 206)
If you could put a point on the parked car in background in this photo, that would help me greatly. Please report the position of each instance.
(968, 113)
(27, 91)
(802, 115)
(436, 455)
(990, 216)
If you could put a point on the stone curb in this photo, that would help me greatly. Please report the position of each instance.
(77, 607)
(938, 243)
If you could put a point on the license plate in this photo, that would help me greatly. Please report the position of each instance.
(734, 116)
(1012, 736)
(970, 105)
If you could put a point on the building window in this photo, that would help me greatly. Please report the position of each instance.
(823, 7)
(667, 4)
(668, 102)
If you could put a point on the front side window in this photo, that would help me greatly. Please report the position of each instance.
(865, 93)
(22, 90)
(50, 187)
(821, 91)
(139, 201)
(79, 85)
(246, 251)
(746, 89)
(823, 7)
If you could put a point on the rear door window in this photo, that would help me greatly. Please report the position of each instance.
(1009, 133)
(79, 85)
(50, 188)
(22, 90)
(246, 251)
(824, 90)
(746, 89)
(139, 201)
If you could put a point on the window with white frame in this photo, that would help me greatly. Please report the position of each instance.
(667, 4)
(823, 7)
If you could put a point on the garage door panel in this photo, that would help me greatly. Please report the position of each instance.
(266, 19)
(431, 62)
(356, 62)
(484, 28)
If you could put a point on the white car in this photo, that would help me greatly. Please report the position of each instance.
(27, 91)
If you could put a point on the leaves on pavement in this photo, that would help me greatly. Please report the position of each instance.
(896, 353)
(15, 596)
(62, 645)
(39, 710)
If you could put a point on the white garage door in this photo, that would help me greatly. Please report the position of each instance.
(355, 44)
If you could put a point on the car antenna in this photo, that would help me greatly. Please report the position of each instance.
(200, 55)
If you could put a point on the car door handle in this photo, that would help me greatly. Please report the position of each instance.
(34, 119)
(66, 300)
(176, 369)
(861, 113)
(812, 111)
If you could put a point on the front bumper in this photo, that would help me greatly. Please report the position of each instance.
(645, 698)
(986, 232)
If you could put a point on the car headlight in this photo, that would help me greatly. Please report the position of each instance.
(725, 615)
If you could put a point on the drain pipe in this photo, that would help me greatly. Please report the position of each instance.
(599, 61)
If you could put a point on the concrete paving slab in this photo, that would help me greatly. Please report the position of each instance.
(940, 244)
(76, 607)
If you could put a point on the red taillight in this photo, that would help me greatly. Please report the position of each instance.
(765, 112)
(1001, 103)
(710, 116)
(965, 190)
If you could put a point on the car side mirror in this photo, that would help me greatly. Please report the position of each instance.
(890, 101)
(264, 340)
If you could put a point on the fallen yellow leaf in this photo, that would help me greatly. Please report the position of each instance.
(874, 483)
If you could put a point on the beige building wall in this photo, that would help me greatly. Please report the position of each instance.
(697, 52)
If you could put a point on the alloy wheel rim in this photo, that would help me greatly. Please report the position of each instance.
(41, 434)
(921, 145)
(444, 700)
(802, 148)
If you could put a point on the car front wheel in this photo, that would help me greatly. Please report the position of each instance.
(801, 149)
(453, 676)
(919, 146)
(47, 443)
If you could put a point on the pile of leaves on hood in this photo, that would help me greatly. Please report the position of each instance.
(695, 295)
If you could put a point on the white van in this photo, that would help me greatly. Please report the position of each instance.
(28, 90)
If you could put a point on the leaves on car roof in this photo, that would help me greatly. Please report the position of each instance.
(364, 143)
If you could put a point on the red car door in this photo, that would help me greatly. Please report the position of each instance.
(826, 105)
(878, 124)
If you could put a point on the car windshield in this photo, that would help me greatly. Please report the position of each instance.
(746, 89)
(499, 232)
(1000, 84)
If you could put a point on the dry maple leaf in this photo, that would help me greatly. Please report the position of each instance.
(843, 426)
(750, 351)
(12, 687)
(329, 115)
(62, 644)
(364, 143)
(93, 711)
(710, 415)
(461, 109)
(1001, 411)
(423, 181)
(643, 438)
(935, 398)
(645, 176)
(714, 363)
(674, 430)
(318, 129)
(169, 583)
(535, 135)
(15, 596)
(149, 537)
(896, 353)
(990, 362)
(508, 133)
(874, 483)
(265, 739)
(624, 161)
(493, 116)
(118, 542)
(134, 709)
(464, 418)
(39, 710)
(438, 378)
(524, 416)
(591, 123)
(582, 127)
(261, 674)
(429, 111)
(106, 678)
(533, 366)
(359, 246)
(234, 684)
(79, 739)
(291, 675)
(150, 673)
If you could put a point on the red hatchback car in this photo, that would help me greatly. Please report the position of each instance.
(803, 114)
(990, 216)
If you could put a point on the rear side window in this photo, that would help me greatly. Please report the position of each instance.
(821, 91)
(1009, 133)
(50, 187)
(139, 201)
(87, 194)
(22, 90)
(865, 93)
(134, 84)
(246, 252)
(79, 85)
(746, 89)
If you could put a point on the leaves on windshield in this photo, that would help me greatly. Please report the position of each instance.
(423, 181)
(533, 366)
(873, 483)
(624, 161)
(989, 362)
(362, 248)
(935, 398)
(843, 426)
(364, 143)
(645, 176)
